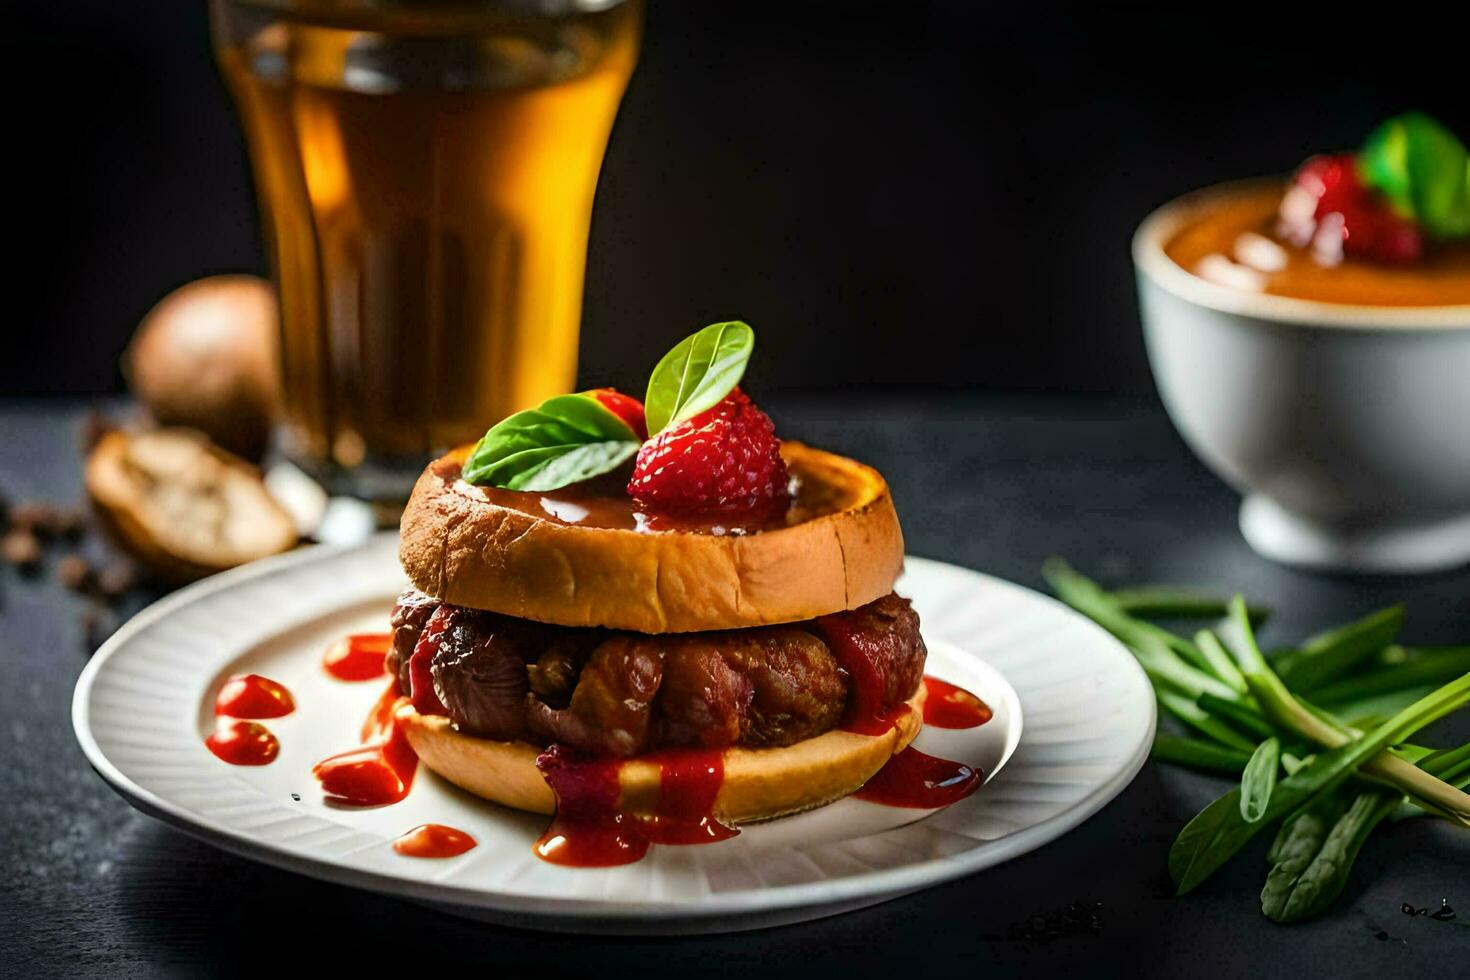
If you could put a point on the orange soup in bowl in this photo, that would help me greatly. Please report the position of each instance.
(1235, 241)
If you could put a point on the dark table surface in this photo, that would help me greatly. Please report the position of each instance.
(92, 887)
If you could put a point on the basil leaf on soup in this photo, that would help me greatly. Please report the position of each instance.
(1423, 170)
(566, 439)
(700, 371)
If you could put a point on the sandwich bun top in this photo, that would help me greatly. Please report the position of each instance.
(498, 550)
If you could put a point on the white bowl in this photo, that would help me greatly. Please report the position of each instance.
(1346, 427)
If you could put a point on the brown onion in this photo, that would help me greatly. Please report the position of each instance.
(206, 357)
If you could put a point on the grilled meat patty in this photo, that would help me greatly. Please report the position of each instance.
(610, 693)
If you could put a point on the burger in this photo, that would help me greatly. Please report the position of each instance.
(611, 595)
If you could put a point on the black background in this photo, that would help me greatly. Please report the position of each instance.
(905, 193)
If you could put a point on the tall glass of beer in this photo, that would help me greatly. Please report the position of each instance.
(425, 171)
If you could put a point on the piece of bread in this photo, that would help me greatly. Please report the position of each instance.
(181, 505)
(759, 784)
(464, 549)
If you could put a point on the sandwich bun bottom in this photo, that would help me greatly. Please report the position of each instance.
(759, 783)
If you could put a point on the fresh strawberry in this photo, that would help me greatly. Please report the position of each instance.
(726, 459)
(1370, 229)
(625, 407)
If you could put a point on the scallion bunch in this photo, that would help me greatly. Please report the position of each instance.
(1318, 734)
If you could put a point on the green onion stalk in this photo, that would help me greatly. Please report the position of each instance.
(1280, 706)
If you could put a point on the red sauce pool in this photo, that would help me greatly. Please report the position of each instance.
(244, 743)
(378, 773)
(253, 696)
(360, 657)
(434, 840)
(948, 706)
(915, 780)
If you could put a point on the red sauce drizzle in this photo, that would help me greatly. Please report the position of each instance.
(689, 781)
(433, 840)
(865, 713)
(375, 726)
(377, 773)
(420, 680)
(591, 829)
(360, 657)
(253, 696)
(948, 706)
(244, 743)
(588, 830)
(918, 781)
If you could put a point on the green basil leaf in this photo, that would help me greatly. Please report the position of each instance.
(566, 439)
(1258, 781)
(1424, 171)
(701, 369)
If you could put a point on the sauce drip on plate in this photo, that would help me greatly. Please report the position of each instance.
(377, 773)
(360, 657)
(244, 743)
(918, 781)
(434, 840)
(253, 696)
(949, 706)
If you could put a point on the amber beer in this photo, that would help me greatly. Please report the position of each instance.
(425, 172)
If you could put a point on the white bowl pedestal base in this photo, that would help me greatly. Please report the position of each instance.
(1277, 533)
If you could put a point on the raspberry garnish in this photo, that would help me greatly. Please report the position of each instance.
(1366, 226)
(1333, 181)
(625, 407)
(726, 459)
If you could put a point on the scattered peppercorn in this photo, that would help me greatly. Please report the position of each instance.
(41, 519)
(20, 548)
(76, 573)
(116, 580)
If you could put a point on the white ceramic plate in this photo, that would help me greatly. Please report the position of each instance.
(144, 705)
